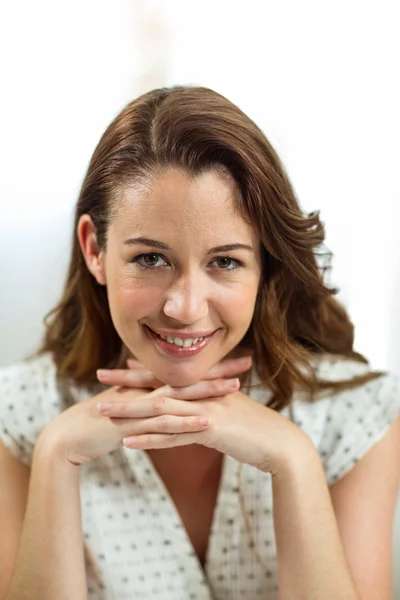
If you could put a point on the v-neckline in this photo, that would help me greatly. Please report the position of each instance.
(148, 478)
(193, 479)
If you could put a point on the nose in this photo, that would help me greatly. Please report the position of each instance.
(187, 299)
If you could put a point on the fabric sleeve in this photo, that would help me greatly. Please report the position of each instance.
(355, 421)
(29, 399)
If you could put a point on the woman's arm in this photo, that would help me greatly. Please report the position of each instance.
(311, 560)
(14, 485)
(315, 561)
(50, 561)
(364, 502)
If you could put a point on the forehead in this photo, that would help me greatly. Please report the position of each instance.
(174, 200)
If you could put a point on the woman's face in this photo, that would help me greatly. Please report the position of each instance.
(181, 263)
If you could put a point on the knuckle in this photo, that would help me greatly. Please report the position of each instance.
(162, 423)
(216, 386)
(121, 408)
(187, 424)
(126, 375)
(172, 438)
(224, 386)
(158, 404)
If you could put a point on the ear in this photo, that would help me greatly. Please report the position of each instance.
(94, 257)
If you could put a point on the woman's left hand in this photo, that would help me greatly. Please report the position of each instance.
(237, 425)
(139, 377)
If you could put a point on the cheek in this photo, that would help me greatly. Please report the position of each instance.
(238, 304)
(130, 302)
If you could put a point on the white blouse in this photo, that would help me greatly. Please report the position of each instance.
(136, 545)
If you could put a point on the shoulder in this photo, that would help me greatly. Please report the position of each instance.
(27, 372)
(345, 425)
(30, 396)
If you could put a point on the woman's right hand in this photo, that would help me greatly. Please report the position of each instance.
(81, 433)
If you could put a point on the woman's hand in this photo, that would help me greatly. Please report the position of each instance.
(81, 433)
(236, 425)
(138, 376)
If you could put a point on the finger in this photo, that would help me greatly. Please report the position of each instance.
(140, 378)
(156, 440)
(229, 367)
(166, 399)
(168, 424)
(225, 368)
(213, 388)
(147, 406)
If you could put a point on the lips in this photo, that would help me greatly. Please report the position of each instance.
(172, 349)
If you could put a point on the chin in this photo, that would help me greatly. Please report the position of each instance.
(180, 379)
(180, 374)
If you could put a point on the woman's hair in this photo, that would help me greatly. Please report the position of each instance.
(196, 129)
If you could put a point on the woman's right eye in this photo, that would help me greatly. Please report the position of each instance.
(149, 260)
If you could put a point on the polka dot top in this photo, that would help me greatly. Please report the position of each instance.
(135, 542)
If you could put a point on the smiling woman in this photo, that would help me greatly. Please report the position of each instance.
(195, 289)
(197, 409)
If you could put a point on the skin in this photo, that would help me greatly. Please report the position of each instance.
(188, 292)
(187, 289)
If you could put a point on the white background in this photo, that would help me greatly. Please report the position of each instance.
(321, 79)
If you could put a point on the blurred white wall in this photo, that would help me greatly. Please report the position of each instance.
(321, 79)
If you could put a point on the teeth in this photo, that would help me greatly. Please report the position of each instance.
(185, 343)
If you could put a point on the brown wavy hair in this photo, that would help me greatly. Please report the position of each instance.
(296, 316)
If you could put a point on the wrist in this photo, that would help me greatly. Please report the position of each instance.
(50, 449)
(297, 455)
(298, 462)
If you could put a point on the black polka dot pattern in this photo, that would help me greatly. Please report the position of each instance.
(136, 545)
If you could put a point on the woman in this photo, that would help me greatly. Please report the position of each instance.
(233, 443)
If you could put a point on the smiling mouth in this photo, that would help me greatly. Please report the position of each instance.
(181, 342)
(177, 346)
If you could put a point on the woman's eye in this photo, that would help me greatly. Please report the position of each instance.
(149, 261)
(226, 263)
(152, 260)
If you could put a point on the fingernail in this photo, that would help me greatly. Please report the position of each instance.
(104, 373)
(129, 442)
(103, 406)
(233, 383)
(203, 421)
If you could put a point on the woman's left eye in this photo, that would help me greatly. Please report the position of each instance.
(227, 264)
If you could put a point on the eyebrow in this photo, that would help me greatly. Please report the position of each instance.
(143, 241)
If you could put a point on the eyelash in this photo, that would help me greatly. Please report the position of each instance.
(137, 258)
